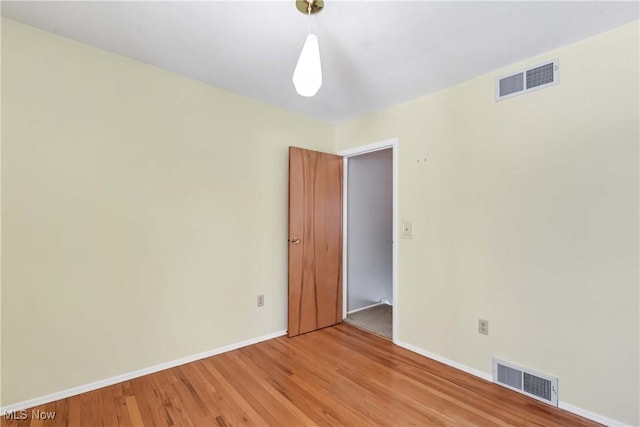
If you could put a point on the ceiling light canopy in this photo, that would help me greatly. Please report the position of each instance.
(307, 76)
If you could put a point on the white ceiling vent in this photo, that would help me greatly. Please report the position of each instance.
(527, 80)
(526, 381)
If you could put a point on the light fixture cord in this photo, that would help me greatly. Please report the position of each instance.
(309, 13)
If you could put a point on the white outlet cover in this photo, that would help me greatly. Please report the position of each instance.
(407, 230)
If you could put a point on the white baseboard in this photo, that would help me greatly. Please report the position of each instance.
(135, 374)
(446, 361)
(562, 405)
(590, 415)
(364, 308)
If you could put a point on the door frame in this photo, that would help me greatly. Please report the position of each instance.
(352, 152)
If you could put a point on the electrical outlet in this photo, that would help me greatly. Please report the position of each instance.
(260, 300)
(483, 326)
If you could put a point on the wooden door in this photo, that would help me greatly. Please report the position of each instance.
(315, 240)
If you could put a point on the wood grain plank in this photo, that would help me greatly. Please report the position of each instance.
(133, 411)
(243, 413)
(61, 409)
(74, 410)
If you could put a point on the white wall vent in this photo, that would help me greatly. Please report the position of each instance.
(533, 78)
(542, 387)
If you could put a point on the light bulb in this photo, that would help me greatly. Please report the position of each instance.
(307, 77)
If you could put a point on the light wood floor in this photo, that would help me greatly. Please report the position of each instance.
(337, 376)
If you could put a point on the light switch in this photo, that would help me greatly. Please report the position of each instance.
(407, 232)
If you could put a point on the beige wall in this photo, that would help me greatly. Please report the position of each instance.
(526, 214)
(142, 214)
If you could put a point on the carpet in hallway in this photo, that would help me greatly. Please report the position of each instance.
(375, 319)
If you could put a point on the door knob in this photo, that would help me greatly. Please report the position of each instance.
(295, 241)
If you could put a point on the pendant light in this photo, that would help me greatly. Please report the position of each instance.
(307, 76)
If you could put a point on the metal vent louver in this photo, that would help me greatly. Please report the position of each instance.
(510, 376)
(526, 80)
(537, 386)
(542, 387)
(511, 84)
(540, 76)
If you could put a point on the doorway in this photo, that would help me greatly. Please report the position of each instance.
(369, 253)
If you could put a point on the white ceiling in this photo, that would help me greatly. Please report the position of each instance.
(374, 54)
